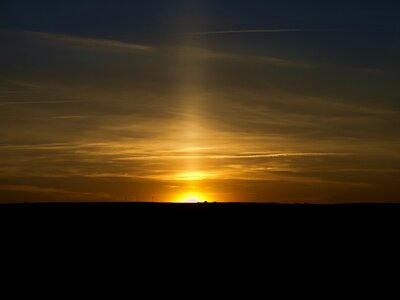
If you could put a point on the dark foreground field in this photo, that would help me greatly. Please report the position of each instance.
(141, 216)
(193, 229)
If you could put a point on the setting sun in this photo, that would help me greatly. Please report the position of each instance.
(193, 197)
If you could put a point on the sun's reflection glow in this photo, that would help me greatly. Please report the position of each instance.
(192, 176)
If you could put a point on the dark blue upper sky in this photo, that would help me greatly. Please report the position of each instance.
(116, 17)
(369, 28)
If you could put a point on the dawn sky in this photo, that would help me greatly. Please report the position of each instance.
(261, 101)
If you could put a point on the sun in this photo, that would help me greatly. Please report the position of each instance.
(191, 200)
(191, 197)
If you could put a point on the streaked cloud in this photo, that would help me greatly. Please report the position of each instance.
(35, 102)
(207, 54)
(249, 31)
(69, 117)
(90, 44)
(70, 195)
(107, 45)
(226, 156)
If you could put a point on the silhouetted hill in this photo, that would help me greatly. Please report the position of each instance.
(133, 230)
(162, 216)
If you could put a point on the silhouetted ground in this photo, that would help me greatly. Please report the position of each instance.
(238, 216)
(253, 232)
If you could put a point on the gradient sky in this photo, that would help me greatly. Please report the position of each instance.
(156, 100)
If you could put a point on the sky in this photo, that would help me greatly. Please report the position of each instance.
(189, 101)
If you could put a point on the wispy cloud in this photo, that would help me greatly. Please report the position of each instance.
(49, 190)
(93, 44)
(114, 46)
(229, 156)
(250, 31)
(54, 146)
(23, 84)
(280, 30)
(35, 102)
(69, 117)
(202, 53)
